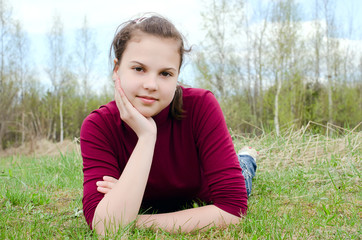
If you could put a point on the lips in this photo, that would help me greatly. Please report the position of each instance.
(147, 99)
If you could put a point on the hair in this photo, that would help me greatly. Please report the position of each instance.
(157, 26)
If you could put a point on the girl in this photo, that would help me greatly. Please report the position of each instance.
(159, 146)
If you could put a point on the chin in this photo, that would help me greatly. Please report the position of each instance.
(148, 113)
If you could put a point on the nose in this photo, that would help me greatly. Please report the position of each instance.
(150, 83)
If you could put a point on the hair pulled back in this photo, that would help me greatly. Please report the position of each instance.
(157, 26)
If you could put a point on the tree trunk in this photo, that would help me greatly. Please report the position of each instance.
(2, 131)
(330, 102)
(55, 132)
(276, 106)
(22, 127)
(61, 118)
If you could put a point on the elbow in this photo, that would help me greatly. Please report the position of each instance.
(106, 222)
(99, 224)
(226, 218)
(103, 225)
(98, 228)
(235, 220)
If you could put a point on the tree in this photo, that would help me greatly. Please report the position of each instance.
(56, 65)
(329, 31)
(86, 55)
(257, 51)
(20, 69)
(8, 88)
(284, 53)
(218, 59)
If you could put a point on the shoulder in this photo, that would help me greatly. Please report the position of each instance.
(104, 115)
(197, 95)
(201, 106)
(189, 92)
(105, 111)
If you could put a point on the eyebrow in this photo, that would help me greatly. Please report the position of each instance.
(163, 69)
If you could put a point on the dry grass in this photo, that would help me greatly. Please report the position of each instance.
(300, 147)
(42, 147)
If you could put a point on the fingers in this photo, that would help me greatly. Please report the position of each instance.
(120, 90)
(106, 185)
(130, 115)
(117, 94)
(103, 190)
(110, 179)
(125, 108)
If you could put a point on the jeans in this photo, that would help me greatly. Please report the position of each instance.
(248, 166)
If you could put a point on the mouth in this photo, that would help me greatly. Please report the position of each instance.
(147, 99)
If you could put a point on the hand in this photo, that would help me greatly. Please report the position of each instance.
(106, 185)
(129, 114)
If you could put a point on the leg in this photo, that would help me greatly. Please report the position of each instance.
(248, 166)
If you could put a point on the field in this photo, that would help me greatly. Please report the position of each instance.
(307, 186)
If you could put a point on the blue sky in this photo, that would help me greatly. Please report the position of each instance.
(104, 16)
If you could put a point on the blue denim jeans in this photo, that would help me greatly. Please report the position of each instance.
(248, 166)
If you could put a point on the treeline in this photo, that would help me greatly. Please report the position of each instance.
(30, 109)
(270, 70)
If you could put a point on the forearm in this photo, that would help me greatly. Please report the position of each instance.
(188, 220)
(121, 205)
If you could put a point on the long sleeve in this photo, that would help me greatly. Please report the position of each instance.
(220, 165)
(98, 146)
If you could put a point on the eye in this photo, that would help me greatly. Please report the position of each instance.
(138, 69)
(166, 74)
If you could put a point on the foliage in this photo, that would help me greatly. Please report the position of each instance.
(262, 66)
(29, 110)
(283, 75)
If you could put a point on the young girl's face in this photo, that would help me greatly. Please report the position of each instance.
(148, 72)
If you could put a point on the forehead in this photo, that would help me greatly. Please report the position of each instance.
(150, 48)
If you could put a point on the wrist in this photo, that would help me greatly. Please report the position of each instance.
(148, 137)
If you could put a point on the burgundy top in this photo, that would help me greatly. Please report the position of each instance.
(194, 158)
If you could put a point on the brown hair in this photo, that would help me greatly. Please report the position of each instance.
(159, 27)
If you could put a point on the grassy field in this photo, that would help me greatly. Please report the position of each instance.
(307, 187)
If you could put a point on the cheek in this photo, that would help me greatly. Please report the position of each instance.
(127, 86)
(125, 80)
(170, 93)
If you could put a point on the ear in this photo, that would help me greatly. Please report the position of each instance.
(115, 61)
(115, 70)
(114, 75)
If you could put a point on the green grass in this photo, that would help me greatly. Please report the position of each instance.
(307, 187)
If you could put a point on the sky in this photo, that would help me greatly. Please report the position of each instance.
(105, 15)
(36, 14)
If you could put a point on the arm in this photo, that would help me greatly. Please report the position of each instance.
(188, 220)
(121, 205)
(227, 206)
(181, 221)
